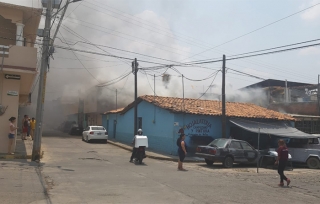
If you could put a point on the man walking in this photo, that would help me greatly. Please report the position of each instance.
(32, 127)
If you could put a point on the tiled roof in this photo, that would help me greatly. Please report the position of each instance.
(210, 107)
(114, 111)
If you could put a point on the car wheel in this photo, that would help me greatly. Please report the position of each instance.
(313, 163)
(209, 162)
(106, 141)
(228, 162)
(87, 139)
(82, 138)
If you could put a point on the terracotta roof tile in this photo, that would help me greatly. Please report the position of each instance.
(114, 111)
(209, 107)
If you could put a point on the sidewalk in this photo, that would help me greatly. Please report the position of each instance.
(23, 149)
(154, 155)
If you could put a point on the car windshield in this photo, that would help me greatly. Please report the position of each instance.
(97, 128)
(218, 143)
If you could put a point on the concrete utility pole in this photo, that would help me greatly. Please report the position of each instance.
(36, 151)
(318, 93)
(135, 72)
(223, 118)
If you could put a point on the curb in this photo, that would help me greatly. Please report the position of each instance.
(151, 156)
(17, 156)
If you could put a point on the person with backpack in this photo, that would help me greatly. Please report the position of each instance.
(182, 151)
(24, 127)
(282, 162)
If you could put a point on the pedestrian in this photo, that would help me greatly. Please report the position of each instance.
(12, 132)
(28, 132)
(134, 149)
(182, 151)
(282, 162)
(32, 127)
(24, 127)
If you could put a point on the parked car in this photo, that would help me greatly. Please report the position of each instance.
(228, 151)
(95, 133)
(306, 151)
(76, 130)
(66, 126)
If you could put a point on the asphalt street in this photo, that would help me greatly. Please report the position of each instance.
(77, 172)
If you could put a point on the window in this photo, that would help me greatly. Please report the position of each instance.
(87, 129)
(246, 146)
(97, 128)
(313, 141)
(235, 145)
(218, 143)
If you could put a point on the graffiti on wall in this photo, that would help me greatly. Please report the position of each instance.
(199, 127)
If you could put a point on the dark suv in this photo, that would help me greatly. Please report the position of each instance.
(228, 151)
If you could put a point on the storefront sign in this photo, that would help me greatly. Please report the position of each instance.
(12, 76)
(12, 93)
(199, 127)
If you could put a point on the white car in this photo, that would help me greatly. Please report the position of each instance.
(95, 133)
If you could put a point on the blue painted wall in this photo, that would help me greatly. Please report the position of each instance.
(199, 129)
(159, 125)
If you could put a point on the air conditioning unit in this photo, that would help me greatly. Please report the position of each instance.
(55, 3)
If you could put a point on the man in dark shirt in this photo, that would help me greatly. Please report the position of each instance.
(282, 161)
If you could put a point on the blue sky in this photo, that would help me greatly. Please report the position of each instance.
(182, 28)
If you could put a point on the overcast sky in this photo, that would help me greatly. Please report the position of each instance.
(177, 30)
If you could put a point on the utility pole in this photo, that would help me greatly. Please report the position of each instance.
(183, 93)
(154, 98)
(36, 151)
(116, 122)
(318, 93)
(135, 72)
(223, 118)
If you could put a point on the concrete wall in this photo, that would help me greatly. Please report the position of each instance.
(12, 111)
(19, 56)
(307, 108)
(15, 15)
(8, 30)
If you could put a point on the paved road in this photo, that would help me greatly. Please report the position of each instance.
(77, 172)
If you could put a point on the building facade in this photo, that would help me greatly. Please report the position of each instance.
(18, 58)
(161, 118)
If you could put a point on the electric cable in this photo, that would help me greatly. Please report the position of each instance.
(274, 22)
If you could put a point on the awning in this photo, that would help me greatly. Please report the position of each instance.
(280, 128)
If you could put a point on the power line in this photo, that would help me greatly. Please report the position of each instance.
(273, 48)
(250, 75)
(82, 63)
(273, 52)
(157, 43)
(256, 30)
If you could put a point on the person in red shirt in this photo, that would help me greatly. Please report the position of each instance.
(282, 161)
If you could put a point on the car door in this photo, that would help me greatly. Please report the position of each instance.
(237, 151)
(250, 153)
